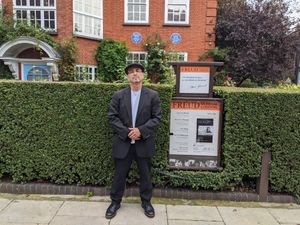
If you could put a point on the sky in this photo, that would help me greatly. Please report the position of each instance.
(294, 6)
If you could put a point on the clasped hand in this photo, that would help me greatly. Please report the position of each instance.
(134, 133)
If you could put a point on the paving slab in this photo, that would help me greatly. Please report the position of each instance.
(192, 222)
(286, 215)
(290, 224)
(23, 223)
(4, 203)
(185, 212)
(246, 216)
(79, 220)
(133, 214)
(73, 208)
(30, 211)
(279, 205)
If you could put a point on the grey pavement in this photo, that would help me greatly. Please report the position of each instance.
(71, 211)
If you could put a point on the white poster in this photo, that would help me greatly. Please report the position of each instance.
(194, 127)
(194, 80)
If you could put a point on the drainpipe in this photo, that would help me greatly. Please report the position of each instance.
(297, 66)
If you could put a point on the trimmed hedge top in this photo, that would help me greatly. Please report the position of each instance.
(256, 90)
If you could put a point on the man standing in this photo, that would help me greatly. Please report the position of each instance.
(134, 114)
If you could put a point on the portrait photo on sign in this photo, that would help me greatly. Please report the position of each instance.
(204, 130)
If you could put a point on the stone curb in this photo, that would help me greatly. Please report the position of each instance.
(53, 189)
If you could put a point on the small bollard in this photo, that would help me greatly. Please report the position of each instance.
(262, 186)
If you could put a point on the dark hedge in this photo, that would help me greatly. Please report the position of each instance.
(260, 120)
(59, 132)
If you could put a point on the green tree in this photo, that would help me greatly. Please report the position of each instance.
(257, 34)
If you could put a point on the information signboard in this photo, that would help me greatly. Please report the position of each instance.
(195, 133)
(194, 79)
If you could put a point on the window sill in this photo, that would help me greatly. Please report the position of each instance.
(137, 24)
(87, 37)
(54, 33)
(176, 25)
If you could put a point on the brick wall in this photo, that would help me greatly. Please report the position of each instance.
(197, 37)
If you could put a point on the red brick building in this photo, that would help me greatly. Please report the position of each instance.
(188, 24)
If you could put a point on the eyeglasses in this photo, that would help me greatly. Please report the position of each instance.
(132, 70)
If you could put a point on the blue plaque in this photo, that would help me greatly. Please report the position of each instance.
(175, 38)
(136, 37)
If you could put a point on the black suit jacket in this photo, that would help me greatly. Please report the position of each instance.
(147, 119)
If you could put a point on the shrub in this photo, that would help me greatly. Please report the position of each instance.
(157, 67)
(67, 50)
(5, 72)
(111, 59)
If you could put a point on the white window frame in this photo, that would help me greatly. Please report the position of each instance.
(40, 8)
(138, 52)
(83, 33)
(0, 7)
(93, 74)
(177, 22)
(180, 53)
(133, 21)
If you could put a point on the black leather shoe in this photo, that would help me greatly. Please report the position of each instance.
(112, 210)
(148, 209)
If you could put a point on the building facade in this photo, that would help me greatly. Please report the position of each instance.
(189, 25)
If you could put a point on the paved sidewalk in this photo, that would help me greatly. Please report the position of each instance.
(67, 211)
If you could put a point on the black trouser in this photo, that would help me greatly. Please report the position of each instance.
(122, 167)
